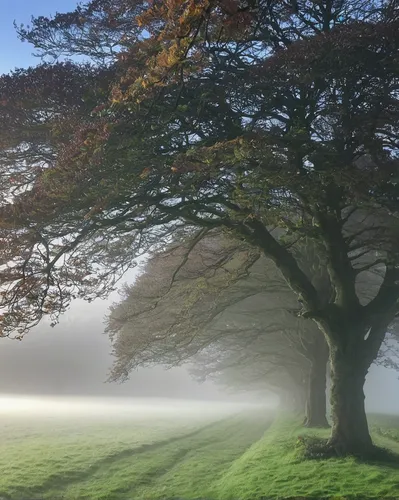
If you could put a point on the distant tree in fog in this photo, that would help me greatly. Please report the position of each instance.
(276, 361)
(215, 301)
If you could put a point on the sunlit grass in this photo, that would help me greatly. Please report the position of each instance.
(61, 451)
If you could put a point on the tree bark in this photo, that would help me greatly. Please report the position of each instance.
(316, 404)
(350, 433)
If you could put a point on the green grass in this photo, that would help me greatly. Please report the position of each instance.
(273, 467)
(119, 458)
(238, 457)
(37, 456)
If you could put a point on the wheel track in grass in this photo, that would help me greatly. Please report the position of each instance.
(182, 454)
(178, 457)
(69, 477)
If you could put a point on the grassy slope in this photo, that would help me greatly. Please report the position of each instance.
(229, 459)
(272, 467)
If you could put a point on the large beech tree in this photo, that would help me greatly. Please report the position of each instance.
(241, 114)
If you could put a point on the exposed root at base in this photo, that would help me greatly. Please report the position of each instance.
(314, 448)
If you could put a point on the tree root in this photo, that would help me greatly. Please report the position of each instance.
(314, 448)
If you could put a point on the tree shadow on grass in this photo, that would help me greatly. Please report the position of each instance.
(315, 448)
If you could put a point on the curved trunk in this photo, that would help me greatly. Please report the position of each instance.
(316, 404)
(350, 433)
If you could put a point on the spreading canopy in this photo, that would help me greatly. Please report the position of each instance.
(259, 124)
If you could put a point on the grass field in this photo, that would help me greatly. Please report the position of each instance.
(205, 453)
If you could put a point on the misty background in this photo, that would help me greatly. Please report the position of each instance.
(74, 357)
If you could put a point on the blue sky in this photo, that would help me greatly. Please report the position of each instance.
(13, 52)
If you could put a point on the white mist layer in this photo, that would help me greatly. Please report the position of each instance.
(111, 407)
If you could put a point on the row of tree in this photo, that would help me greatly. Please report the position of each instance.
(222, 308)
(276, 121)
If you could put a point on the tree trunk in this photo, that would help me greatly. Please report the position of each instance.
(350, 433)
(316, 405)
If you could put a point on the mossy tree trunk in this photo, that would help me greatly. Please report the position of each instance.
(351, 355)
(350, 433)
